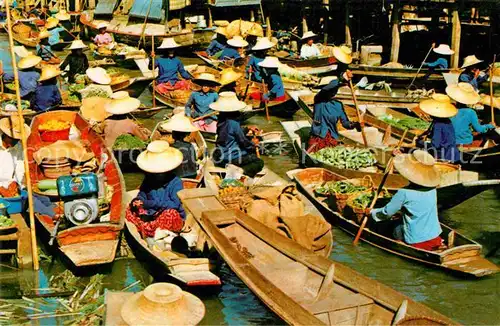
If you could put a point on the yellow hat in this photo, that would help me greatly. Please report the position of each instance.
(29, 61)
(439, 108)
(471, 60)
(343, 54)
(463, 93)
(48, 72)
(51, 22)
(221, 30)
(63, 15)
(94, 108)
(159, 157)
(418, 167)
(11, 127)
(77, 44)
(229, 75)
(228, 102)
(178, 122)
(237, 42)
(43, 34)
(206, 79)
(163, 304)
(122, 103)
(98, 75)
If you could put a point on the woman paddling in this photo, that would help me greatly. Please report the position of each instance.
(273, 81)
(169, 68)
(253, 69)
(47, 95)
(309, 49)
(199, 102)
(76, 61)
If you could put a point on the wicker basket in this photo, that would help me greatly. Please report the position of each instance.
(341, 199)
(356, 213)
(236, 199)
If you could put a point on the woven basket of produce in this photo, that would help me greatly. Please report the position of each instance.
(22, 30)
(357, 204)
(235, 197)
(341, 190)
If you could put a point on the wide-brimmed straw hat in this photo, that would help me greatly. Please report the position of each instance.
(206, 79)
(94, 108)
(471, 60)
(168, 43)
(102, 25)
(48, 72)
(270, 62)
(98, 75)
(463, 93)
(443, 49)
(122, 103)
(486, 100)
(159, 157)
(263, 43)
(439, 107)
(229, 75)
(63, 15)
(43, 34)
(418, 167)
(77, 44)
(29, 61)
(12, 128)
(308, 35)
(163, 304)
(179, 122)
(237, 42)
(343, 54)
(228, 102)
(221, 30)
(51, 22)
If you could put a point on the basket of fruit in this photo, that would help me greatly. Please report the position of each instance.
(357, 204)
(343, 189)
(233, 194)
(54, 130)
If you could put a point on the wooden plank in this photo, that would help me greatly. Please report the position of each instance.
(24, 253)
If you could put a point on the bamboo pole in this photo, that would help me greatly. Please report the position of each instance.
(348, 39)
(210, 19)
(34, 248)
(153, 68)
(361, 122)
(491, 91)
(455, 38)
(395, 33)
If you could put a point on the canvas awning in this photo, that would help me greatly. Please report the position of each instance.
(141, 7)
(232, 3)
(105, 7)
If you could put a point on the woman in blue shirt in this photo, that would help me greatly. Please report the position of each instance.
(232, 146)
(472, 74)
(44, 51)
(465, 96)
(28, 76)
(327, 113)
(219, 43)
(272, 79)
(199, 102)
(442, 52)
(47, 95)
(417, 202)
(259, 51)
(52, 26)
(234, 48)
(169, 69)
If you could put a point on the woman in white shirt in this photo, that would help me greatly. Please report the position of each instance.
(309, 49)
(11, 152)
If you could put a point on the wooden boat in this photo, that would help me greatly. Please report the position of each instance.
(95, 243)
(484, 158)
(189, 272)
(301, 287)
(457, 185)
(462, 256)
(313, 66)
(395, 96)
(406, 74)
(23, 35)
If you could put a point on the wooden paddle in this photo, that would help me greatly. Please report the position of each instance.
(421, 65)
(361, 122)
(491, 91)
(153, 68)
(205, 116)
(388, 169)
(265, 102)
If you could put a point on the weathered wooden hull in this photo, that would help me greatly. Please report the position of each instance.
(485, 160)
(313, 66)
(92, 244)
(396, 73)
(462, 256)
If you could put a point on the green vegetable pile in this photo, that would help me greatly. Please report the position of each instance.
(230, 183)
(338, 187)
(124, 142)
(406, 123)
(365, 199)
(5, 221)
(24, 104)
(345, 157)
(74, 92)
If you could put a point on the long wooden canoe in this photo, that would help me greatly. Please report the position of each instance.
(396, 73)
(313, 66)
(463, 255)
(95, 243)
(299, 286)
(457, 185)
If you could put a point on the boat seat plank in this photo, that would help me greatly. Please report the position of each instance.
(359, 315)
(335, 303)
(105, 7)
(82, 254)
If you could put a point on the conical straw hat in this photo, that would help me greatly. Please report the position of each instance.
(439, 108)
(486, 100)
(443, 49)
(159, 157)
(221, 30)
(43, 34)
(206, 79)
(179, 122)
(343, 54)
(63, 15)
(228, 102)
(102, 25)
(29, 61)
(463, 93)
(94, 108)
(163, 304)
(237, 42)
(168, 43)
(308, 35)
(98, 75)
(122, 103)
(229, 75)
(48, 72)
(441, 97)
(263, 43)
(418, 167)
(11, 127)
(77, 44)
(270, 62)
(471, 60)
(51, 22)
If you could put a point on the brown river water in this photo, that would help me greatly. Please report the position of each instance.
(468, 301)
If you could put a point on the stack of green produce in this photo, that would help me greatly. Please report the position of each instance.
(127, 141)
(406, 123)
(338, 187)
(364, 200)
(226, 183)
(24, 104)
(74, 92)
(5, 221)
(343, 157)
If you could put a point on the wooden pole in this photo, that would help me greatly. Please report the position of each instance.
(153, 68)
(348, 40)
(455, 38)
(420, 68)
(262, 13)
(395, 33)
(210, 19)
(265, 102)
(269, 33)
(361, 122)
(326, 12)
(491, 91)
(388, 170)
(143, 37)
(304, 25)
(252, 15)
(24, 142)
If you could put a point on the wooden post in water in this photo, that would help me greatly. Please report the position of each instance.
(34, 248)
(269, 32)
(395, 32)
(252, 15)
(455, 38)
(210, 19)
(326, 7)
(348, 40)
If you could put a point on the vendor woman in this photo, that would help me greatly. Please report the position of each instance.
(253, 70)
(466, 118)
(47, 95)
(232, 146)
(157, 205)
(441, 54)
(472, 74)
(309, 49)
(76, 61)
(11, 151)
(417, 202)
(28, 76)
(218, 43)
(103, 38)
(272, 79)
(327, 112)
(199, 101)
(169, 69)
(343, 55)
(234, 49)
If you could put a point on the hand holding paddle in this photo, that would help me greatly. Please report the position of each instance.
(388, 169)
(421, 65)
(361, 122)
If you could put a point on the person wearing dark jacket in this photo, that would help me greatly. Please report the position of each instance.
(76, 61)
(47, 94)
(28, 76)
(472, 74)
(218, 43)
